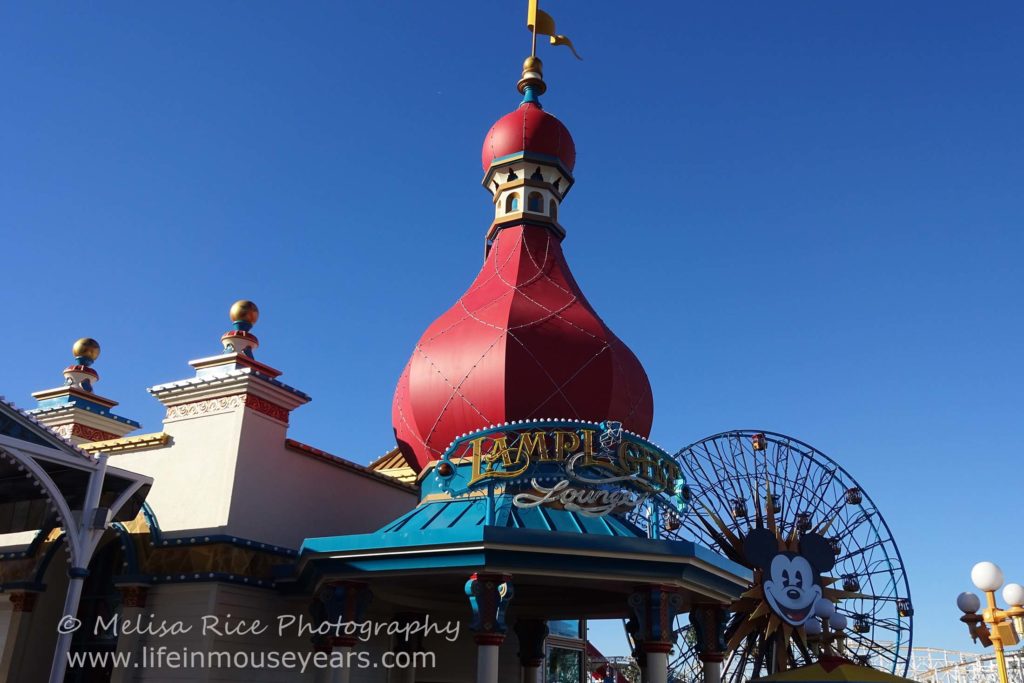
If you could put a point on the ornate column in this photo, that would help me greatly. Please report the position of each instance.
(133, 606)
(339, 603)
(709, 622)
(489, 595)
(531, 634)
(15, 644)
(654, 609)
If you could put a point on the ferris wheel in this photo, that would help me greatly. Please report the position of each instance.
(794, 516)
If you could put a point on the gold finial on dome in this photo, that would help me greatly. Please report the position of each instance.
(245, 311)
(86, 350)
(244, 314)
(533, 77)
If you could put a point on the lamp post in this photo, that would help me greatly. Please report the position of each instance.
(994, 626)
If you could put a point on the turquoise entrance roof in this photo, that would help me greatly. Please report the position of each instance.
(455, 535)
(466, 513)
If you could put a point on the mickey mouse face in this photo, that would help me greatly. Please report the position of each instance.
(791, 580)
(791, 590)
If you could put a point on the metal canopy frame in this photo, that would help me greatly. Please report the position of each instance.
(68, 488)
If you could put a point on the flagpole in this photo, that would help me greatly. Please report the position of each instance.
(533, 47)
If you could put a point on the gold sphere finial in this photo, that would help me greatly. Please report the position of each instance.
(533, 76)
(86, 347)
(245, 311)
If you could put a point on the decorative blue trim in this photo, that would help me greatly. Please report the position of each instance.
(69, 401)
(530, 97)
(134, 575)
(196, 578)
(15, 555)
(131, 558)
(281, 385)
(154, 526)
(78, 572)
(210, 539)
(532, 156)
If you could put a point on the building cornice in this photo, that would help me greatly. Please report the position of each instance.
(527, 182)
(517, 218)
(229, 383)
(531, 157)
(142, 442)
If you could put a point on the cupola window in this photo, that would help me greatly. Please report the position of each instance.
(535, 203)
(512, 202)
(553, 210)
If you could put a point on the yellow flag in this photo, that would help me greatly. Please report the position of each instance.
(541, 22)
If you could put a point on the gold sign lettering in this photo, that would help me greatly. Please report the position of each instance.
(528, 443)
(483, 462)
(647, 467)
(566, 444)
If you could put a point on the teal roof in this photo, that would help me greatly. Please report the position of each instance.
(455, 534)
(472, 512)
(458, 528)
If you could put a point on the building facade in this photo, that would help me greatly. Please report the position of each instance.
(505, 514)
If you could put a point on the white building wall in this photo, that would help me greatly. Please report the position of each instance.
(231, 473)
(283, 496)
(193, 477)
(171, 603)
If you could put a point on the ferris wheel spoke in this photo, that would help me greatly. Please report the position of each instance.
(707, 478)
(818, 490)
(861, 551)
(731, 460)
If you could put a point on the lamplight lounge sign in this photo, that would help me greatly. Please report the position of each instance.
(593, 469)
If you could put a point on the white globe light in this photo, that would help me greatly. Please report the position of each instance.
(987, 576)
(1013, 593)
(813, 627)
(824, 608)
(837, 621)
(968, 603)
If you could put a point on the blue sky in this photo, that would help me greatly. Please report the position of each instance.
(802, 216)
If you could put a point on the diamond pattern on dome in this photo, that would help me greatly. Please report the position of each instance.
(521, 343)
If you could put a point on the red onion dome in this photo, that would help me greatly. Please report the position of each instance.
(529, 129)
(521, 343)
